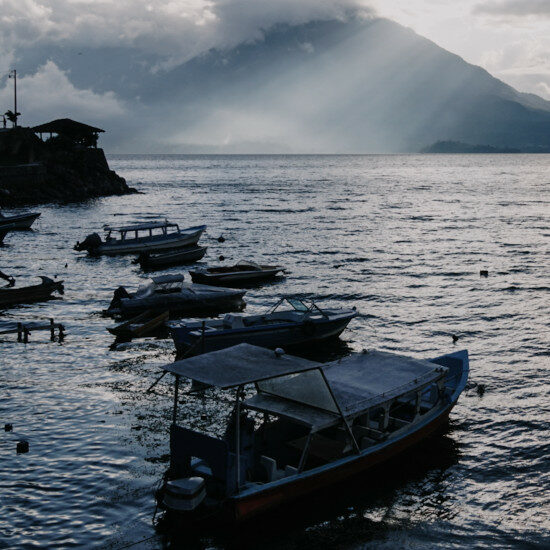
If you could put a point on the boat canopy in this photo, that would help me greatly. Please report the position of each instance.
(309, 393)
(140, 226)
(238, 365)
(371, 378)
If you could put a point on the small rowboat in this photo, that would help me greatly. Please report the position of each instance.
(172, 257)
(142, 237)
(298, 426)
(241, 274)
(29, 294)
(171, 293)
(145, 324)
(20, 221)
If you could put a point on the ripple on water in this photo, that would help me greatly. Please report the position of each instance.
(98, 442)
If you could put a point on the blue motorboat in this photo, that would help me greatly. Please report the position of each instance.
(301, 323)
(298, 426)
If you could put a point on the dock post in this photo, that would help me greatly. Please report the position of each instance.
(52, 330)
(19, 332)
(26, 333)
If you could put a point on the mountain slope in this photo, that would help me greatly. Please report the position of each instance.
(356, 85)
(333, 86)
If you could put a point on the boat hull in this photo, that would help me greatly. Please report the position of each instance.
(30, 294)
(153, 244)
(20, 222)
(176, 257)
(184, 305)
(287, 335)
(234, 278)
(243, 508)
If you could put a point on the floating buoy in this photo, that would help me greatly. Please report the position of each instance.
(8, 427)
(22, 446)
(484, 273)
(455, 338)
(222, 258)
(221, 239)
(66, 265)
(279, 352)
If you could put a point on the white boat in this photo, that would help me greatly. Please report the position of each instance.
(298, 426)
(171, 293)
(302, 324)
(20, 221)
(142, 237)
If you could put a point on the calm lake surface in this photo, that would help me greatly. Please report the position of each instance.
(403, 239)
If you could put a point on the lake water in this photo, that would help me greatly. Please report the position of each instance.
(402, 238)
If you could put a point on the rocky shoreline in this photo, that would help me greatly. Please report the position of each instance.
(60, 174)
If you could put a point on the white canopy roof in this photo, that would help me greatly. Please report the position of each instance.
(139, 226)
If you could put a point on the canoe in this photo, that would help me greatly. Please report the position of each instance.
(145, 324)
(302, 426)
(29, 294)
(20, 221)
(300, 325)
(243, 273)
(170, 293)
(138, 238)
(172, 257)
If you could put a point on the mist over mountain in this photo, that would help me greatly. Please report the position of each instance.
(347, 85)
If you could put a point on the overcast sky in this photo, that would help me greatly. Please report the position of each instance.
(509, 38)
(60, 46)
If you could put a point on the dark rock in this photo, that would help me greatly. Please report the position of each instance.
(33, 172)
(8, 427)
(22, 446)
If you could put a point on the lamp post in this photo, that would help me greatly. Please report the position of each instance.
(13, 74)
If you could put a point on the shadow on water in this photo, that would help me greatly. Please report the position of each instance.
(360, 508)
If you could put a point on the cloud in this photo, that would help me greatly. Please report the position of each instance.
(49, 94)
(515, 8)
(174, 30)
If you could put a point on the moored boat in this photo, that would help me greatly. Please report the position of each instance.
(243, 273)
(302, 324)
(170, 293)
(28, 294)
(318, 424)
(169, 258)
(20, 221)
(5, 228)
(145, 324)
(141, 237)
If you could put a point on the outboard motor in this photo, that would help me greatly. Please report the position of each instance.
(91, 243)
(185, 494)
(118, 294)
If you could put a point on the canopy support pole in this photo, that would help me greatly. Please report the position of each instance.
(304, 452)
(238, 436)
(156, 381)
(344, 419)
(176, 388)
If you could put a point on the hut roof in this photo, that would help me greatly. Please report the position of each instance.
(66, 126)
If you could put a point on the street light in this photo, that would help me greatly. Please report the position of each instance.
(12, 116)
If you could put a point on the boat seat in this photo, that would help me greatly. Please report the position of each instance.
(270, 466)
(290, 470)
(231, 320)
